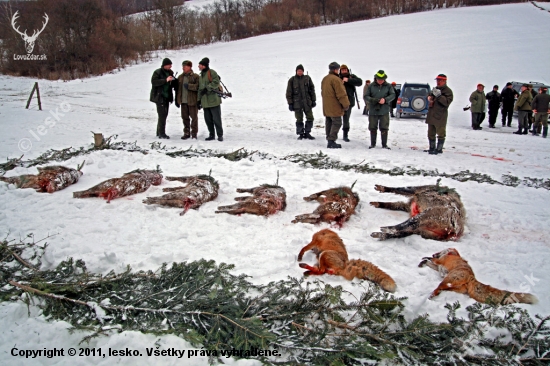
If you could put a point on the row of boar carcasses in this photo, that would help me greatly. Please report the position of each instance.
(436, 212)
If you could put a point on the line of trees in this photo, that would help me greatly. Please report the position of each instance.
(92, 37)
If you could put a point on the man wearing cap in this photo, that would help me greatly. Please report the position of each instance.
(531, 116)
(523, 106)
(186, 97)
(380, 95)
(209, 84)
(541, 108)
(365, 88)
(351, 81)
(335, 104)
(508, 96)
(162, 83)
(394, 102)
(301, 99)
(439, 100)
(478, 104)
(494, 100)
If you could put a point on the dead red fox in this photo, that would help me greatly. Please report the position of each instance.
(49, 178)
(459, 277)
(436, 213)
(333, 259)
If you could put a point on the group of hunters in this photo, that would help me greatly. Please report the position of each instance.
(338, 91)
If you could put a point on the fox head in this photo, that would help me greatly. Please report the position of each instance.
(446, 252)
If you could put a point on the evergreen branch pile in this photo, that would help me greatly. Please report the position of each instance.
(304, 322)
(316, 161)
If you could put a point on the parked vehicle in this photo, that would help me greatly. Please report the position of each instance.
(413, 100)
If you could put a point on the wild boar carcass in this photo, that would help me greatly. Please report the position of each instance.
(265, 200)
(198, 190)
(136, 181)
(49, 179)
(337, 205)
(436, 213)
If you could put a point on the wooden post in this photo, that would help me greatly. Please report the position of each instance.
(99, 140)
(35, 87)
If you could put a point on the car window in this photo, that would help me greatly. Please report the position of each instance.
(415, 91)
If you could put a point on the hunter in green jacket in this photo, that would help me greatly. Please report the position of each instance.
(380, 95)
(209, 85)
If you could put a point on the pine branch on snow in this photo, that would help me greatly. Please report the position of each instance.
(307, 322)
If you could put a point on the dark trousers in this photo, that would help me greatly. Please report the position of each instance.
(162, 111)
(300, 127)
(347, 114)
(493, 114)
(440, 131)
(477, 118)
(213, 119)
(332, 127)
(190, 117)
(507, 112)
(523, 120)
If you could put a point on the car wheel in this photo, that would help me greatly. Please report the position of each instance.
(418, 104)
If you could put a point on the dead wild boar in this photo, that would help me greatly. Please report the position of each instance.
(49, 179)
(337, 205)
(136, 181)
(198, 190)
(436, 213)
(265, 200)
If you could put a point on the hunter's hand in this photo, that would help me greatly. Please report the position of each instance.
(436, 92)
(169, 79)
(345, 80)
(382, 101)
(186, 85)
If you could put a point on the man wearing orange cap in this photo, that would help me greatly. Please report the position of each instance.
(438, 105)
(478, 103)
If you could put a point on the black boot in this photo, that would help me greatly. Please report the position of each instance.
(440, 143)
(432, 150)
(301, 137)
(384, 138)
(518, 132)
(525, 131)
(333, 145)
(372, 139)
(308, 136)
(346, 130)
(210, 138)
(544, 132)
(535, 131)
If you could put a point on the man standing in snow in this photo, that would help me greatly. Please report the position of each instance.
(394, 102)
(335, 104)
(531, 116)
(162, 83)
(186, 97)
(365, 88)
(508, 97)
(541, 108)
(380, 95)
(438, 105)
(209, 84)
(523, 106)
(493, 99)
(351, 81)
(300, 95)
(478, 104)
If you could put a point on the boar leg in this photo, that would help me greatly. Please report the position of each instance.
(245, 190)
(235, 209)
(317, 196)
(401, 230)
(397, 206)
(85, 194)
(405, 191)
(173, 189)
(243, 198)
(311, 218)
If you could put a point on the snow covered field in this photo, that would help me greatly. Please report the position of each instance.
(506, 240)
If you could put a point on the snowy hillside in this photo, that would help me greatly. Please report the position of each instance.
(506, 240)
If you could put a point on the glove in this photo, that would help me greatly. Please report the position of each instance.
(436, 92)
(291, 107)
(185, 85)
(313, 104)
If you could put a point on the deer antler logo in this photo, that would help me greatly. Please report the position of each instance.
(29, 40)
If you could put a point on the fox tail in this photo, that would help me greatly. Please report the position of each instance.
(366, 270)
